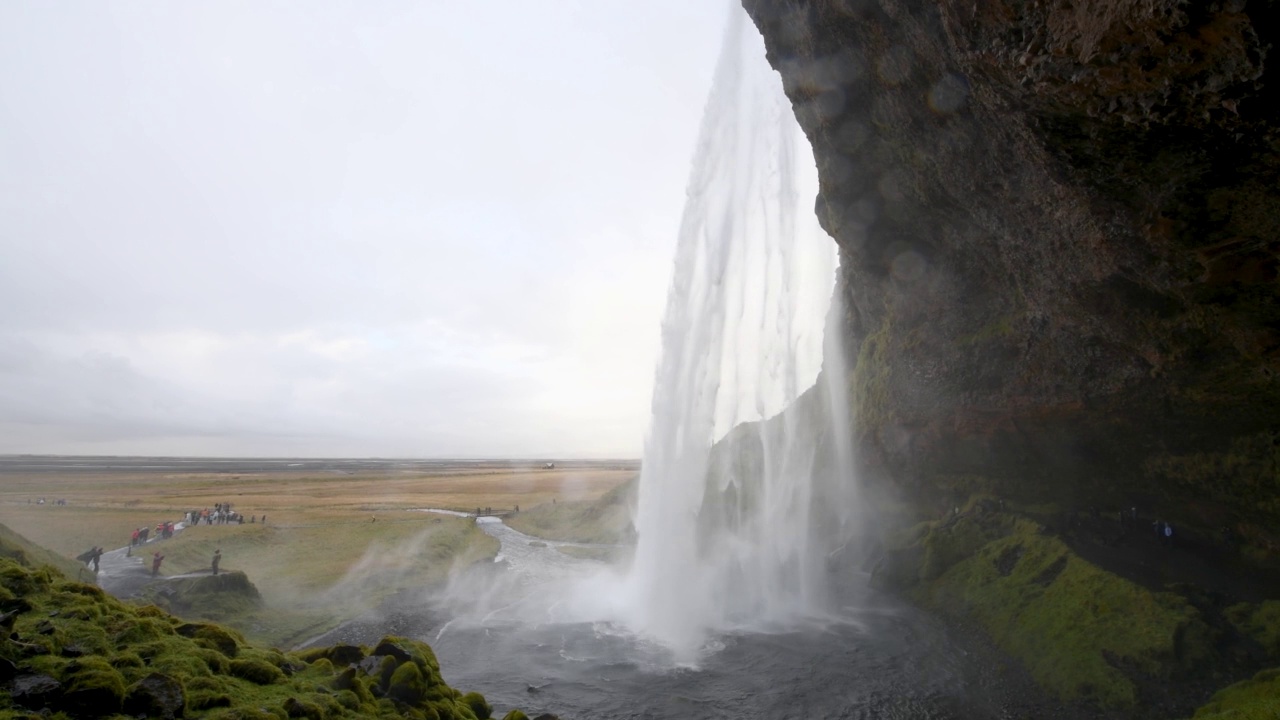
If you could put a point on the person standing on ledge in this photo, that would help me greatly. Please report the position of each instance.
(155, 563)
(217, 558)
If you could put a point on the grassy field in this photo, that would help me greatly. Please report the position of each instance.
(604, 519)
(333, 545)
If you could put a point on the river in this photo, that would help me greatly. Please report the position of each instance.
(877, 658)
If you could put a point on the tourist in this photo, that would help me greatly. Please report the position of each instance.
(217, 558)
(155, 563)
(97, 557)
(134, 539)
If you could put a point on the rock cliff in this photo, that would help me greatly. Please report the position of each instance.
(1058, 226)
(1059, 233)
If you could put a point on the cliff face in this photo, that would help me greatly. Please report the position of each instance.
(1059, 227)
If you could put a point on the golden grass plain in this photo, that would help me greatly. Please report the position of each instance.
(334, 545)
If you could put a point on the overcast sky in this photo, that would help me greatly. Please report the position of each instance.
(362, 228)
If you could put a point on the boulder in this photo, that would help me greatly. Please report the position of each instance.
(156, 696)
(34, 691)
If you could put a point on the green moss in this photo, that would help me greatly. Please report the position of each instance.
(1260, 622)
(348, 699)
(871, 374)
(256, 671)
(127, 644)
(208, 684)
(478, 705)
(25, 553)
(180, 658)
(217, 638)
(407, 684)
(515, 715)
(93, 685)
(949, 543)
(246, 713)
(1255, 699)
(205, 700)
(126, 660)
(217, 663)
(1070, 622)
(295, 708)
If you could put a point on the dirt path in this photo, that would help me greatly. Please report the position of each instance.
(123, 572)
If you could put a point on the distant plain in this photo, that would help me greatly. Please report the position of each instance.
(340, 535)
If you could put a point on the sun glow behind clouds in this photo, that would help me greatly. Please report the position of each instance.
(249, 228)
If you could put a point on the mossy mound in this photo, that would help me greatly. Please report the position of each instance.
(77, 652)
(24, 552)
(206, 597)
(1083, 633)
(1255, 699)
(1260, 622)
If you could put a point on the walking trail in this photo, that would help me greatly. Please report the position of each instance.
(124, 574)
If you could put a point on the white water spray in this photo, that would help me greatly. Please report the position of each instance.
(746, 491)
(734, 536)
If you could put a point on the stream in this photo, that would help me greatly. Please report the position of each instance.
(876, 658)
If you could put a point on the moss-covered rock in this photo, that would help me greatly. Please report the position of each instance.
(1261, 622)
(256, 671)
(1085, 634)
(407, 684)
(1255, 699)
(92, 687)
(339, 655)
(478, 705)
(212, 636)
(295, 708)
(156, 696)
(74, 649)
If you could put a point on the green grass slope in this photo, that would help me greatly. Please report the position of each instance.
(25, 552)
(606, 520)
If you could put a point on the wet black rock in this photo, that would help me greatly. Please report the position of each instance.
(341, 655)
(156, 696)
(34, 691)
(387, 647)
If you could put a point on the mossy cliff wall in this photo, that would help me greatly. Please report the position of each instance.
(1058, 226)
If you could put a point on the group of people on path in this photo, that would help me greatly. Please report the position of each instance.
(221, 514)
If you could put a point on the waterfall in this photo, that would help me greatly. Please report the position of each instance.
(746, 480)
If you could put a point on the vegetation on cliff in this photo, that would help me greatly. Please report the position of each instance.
(1084, 633)
(24, 552)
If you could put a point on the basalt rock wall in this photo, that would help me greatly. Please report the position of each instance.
(1058, 226)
